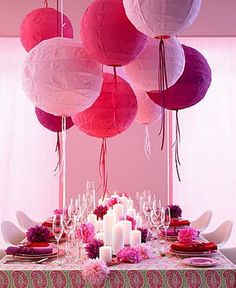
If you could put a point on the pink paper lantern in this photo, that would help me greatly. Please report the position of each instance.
(107, 34)
(42, 24)
(143, 72)
(60, 78)
(191, 87)
(52, 122)
(113, 111)
(148, 111)
(159, 18)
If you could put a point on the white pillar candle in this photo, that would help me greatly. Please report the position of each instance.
(92, 218)
(117, 238)
(115, 195)
(99, 226)
(100, 236)
(139, 221)
(124, 201)
(127, 229)
(108, 221)
(131, 212)
(105, 253)
(118, 210)
(130, 203)
(135, 238)
(110, 211)
(100, 202)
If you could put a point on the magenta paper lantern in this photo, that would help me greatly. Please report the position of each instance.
(113, 111)
(107, 34)
(143, 72)
(191, 87)
(52, 122)
(42, 24)
(60, 78)
(159, 17)
(148, 111)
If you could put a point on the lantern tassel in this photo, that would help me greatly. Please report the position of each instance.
(163, 85)
(176, 144)
(147, 143)
(58, 150)
(103, 168)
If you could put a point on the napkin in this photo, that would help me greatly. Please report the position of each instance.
(194, 247)
(47, 223)
(32, 248)
(179, 222)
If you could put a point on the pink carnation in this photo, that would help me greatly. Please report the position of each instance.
(145, 251)
(129, 255)
(86, 232)
(112, 202)
(187, 235)
(95, 272)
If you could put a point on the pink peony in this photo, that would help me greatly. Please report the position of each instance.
(129, 255)
(86, 232)
(95, 272)
(145, 251)
(187, 235)
(100, 211)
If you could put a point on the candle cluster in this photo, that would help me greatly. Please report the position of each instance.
(118, 227)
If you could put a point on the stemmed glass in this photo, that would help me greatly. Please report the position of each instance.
(147, 208)
(68, 225)
(57, 230)
(165, 219)
(156, 221)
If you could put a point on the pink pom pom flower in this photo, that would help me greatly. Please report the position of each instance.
(187, 235)
(129, 255)
(145, 251)
(95, 272)
(86, 232)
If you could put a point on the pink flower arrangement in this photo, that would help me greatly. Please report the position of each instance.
(145, 251)
(86, 232)
(129, 255)
(38, 233)
(95, 272)
(132, 220)
(100, 211)
(92, 248)
(187, 235)
(112, 202)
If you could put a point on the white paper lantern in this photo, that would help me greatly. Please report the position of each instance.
(148, 111)
(160, 17)
(143, 72)
(60, 78)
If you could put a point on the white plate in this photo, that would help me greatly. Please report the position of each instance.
(194, 254)
(200, 262)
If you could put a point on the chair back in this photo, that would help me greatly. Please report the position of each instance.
(11, 234)
(203, 221)
(2, 253)
(25, 221)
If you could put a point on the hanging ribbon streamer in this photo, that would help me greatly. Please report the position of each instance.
(58, 150)
(62, 19)
(176, 144)
(103, 168)
(147, 144)
(63, 159)
(46, 3)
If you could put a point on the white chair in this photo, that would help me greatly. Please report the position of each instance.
(203, 221)
(25, 221)
(221, 234)
(2, 253)
(230, 253)
(11, 234)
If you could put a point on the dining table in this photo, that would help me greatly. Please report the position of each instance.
(164, 270)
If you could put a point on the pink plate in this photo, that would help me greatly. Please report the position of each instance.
(200, 262)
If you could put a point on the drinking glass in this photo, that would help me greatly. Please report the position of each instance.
(156, 221)
(165, 219)
(57, 229)
(90, 191)
(69, 222)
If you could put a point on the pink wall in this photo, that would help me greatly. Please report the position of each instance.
(129, 170)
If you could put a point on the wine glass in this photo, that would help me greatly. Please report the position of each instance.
(90, 191)
(68, 225)
(165, 219)
(57, 229)
(156, 221)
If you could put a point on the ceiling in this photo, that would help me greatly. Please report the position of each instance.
(216, 18)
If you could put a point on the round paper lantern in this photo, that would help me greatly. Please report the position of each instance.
(107, 34)
(148, 111)
(52, 122)
(60, 78)
(42, 24)
(191, 87)
(143, 72)
(159, 17)
(113, 111)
